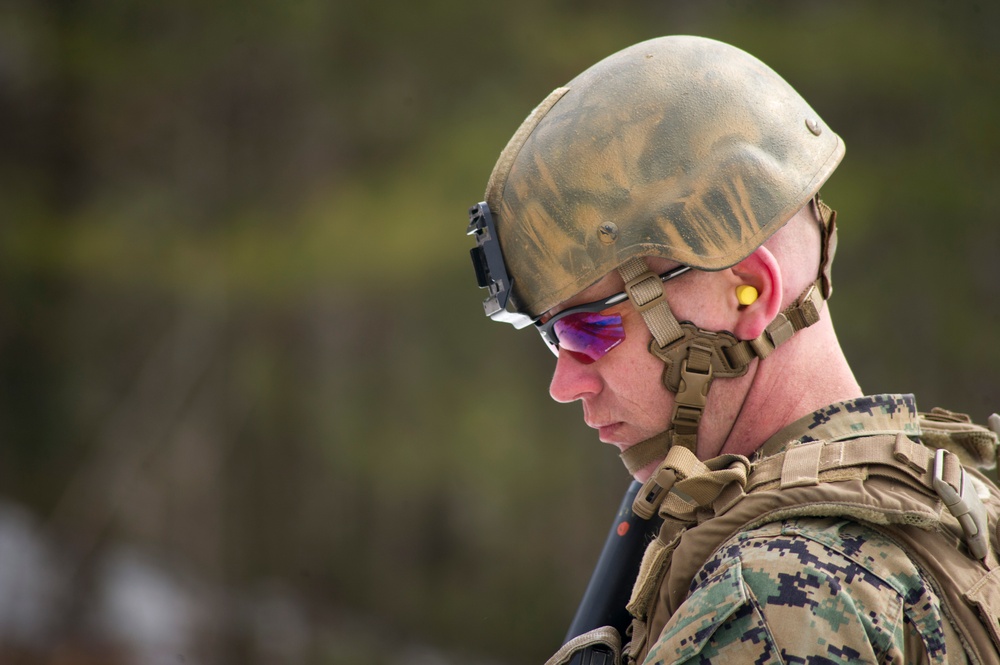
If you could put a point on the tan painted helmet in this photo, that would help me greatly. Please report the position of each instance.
(680, 147)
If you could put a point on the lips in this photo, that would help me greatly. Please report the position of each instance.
(607, 432)
(595, 425)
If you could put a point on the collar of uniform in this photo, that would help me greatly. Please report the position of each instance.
(873, 414)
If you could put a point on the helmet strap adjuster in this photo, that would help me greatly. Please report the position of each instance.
(694, 357)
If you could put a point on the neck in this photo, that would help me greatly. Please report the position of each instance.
(806, 373)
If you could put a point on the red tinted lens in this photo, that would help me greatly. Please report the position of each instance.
(589, 335)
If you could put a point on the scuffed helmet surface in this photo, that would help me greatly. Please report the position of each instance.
(692, 149)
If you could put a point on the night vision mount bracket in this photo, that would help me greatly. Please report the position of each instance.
(491, 271)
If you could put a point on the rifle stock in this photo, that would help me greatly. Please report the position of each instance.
(610, 585)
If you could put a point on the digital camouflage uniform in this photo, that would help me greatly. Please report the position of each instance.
(814, 589)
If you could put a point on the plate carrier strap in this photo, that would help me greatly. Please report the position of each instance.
(930, 490)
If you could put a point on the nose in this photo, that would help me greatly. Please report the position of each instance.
(573, 380)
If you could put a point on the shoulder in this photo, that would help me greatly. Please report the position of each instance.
(825, 590)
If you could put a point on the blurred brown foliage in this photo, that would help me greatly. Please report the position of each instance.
(239, 332)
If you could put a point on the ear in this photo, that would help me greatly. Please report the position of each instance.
(761, 271)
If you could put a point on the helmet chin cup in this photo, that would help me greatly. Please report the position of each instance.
(714, 344)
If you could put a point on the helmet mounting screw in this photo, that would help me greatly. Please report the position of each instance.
(814, 126)
(608, 232)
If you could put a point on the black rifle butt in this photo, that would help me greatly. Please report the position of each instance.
(611, 582)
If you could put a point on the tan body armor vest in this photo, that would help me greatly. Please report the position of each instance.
(887, 481)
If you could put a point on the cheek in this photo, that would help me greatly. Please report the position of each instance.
(636, 370)
(644, 401)
(649, 369)
(702, 299)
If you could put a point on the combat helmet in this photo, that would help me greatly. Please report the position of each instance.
(679, 147)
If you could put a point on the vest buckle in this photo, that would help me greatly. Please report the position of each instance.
(963, 502)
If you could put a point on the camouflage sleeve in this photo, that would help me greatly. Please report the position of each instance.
(813, 590)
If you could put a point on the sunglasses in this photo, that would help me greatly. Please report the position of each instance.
(585, 332)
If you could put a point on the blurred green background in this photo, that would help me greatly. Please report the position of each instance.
(250, 409)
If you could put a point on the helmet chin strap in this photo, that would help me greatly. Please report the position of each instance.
(694, 357)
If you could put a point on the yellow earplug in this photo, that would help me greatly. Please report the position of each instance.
(746, 294)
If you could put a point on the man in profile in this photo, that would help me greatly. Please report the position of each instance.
(658, 220)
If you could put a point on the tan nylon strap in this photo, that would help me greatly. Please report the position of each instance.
(720, 482)
(690, 484)
(699, 359)
(685, 463)
(714, 490)
(679, 463)
(688, 440)
(984, 595)
(698, 484)
(704, 489)
(740, 355)
(692, 393)
(937, 473)
(654, 560)
(645, 290)
(606, 635)
(802, 464)
(828, 218)
(635, 645)
(644, 453)
(802, 314)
